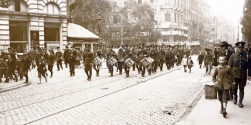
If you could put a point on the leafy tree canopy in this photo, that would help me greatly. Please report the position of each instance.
(85, 14)
(246, 30)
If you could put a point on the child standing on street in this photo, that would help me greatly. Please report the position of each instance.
(223, 79)
(184, 63)
(189, 63)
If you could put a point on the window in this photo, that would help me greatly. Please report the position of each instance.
(213, 29)
(167, 17)
(52, 8)
(17, 5)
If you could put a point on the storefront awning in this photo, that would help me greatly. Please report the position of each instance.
(77, 31)
(195, 43)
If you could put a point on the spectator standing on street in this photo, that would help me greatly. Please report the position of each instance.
(208, 59)
(223, 78)
(59, 59)
(215, 58)
(184, 63)
(240, 62)
(200, 58)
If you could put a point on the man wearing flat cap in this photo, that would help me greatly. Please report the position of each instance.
(208, 59)
(224, 50)
(240, 63)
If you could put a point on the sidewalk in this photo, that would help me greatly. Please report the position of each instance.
(207, 112)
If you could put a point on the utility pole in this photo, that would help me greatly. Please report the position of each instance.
(238, 34)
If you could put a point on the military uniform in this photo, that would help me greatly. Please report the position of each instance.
(88, 62)
(169, 58)
(25, 64)
(240, 63)
(59, 59)
(66, 56)
(50, 62)
(141, 55)
(161, 54)
(127, 54)
(109, 55)
(72, 61)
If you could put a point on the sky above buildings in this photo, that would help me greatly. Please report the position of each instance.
(231, 10)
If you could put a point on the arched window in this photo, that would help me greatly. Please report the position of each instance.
(168, 17)
(51, 8)
(23, 6)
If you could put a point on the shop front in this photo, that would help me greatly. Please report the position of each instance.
(25, 27)
(79, 37)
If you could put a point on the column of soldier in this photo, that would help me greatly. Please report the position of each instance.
(139, 57)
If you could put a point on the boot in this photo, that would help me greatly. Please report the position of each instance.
(224, 112)
(26, 81)
(112, 73)
(51, 74)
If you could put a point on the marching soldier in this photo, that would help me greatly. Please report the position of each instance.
(88, 62)
(120, 59)
(97, 60)
(141, 55)
(127, 56)
(161, 54)
(59, 59)
(135, 51)
(109, 63)
(153, 56)
(25, 64)
(72, 62)
(66, 55)
(97, 63)
(169, 58)
(50, 61)
(240, 63)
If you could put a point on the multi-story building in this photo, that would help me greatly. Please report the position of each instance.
(29, 24)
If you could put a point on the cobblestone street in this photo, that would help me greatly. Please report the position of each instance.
(160, 98)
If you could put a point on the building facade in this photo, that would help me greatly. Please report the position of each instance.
(27, 24)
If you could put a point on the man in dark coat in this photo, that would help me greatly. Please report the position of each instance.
(208, 59)
(72, 62)
(88, 61)
(66, 56)
(59, 59)
(225, 51)
(25, 63)
(50, 61)
(240, 63)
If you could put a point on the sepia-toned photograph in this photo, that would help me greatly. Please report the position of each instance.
(125, 62)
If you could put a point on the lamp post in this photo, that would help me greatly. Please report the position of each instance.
(99, 19)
